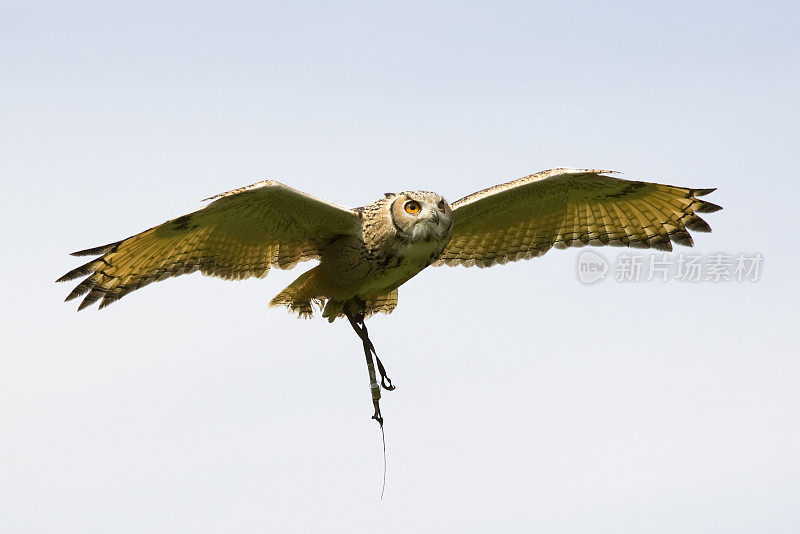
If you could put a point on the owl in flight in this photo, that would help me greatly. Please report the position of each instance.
(366, 253)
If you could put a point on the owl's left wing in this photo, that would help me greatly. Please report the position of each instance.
(242, 233)
(564, 208)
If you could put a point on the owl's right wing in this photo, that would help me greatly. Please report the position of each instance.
(571, 208)
(242, 233)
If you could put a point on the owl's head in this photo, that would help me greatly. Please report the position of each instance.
(421, 215)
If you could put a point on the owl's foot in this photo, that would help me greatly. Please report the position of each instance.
(377, 415)
(357, 322)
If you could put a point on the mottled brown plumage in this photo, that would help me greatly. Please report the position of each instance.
(367, 270)
(366, 253)
(564, 208)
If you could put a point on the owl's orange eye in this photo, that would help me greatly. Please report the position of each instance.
(441, 205)
(412, 207)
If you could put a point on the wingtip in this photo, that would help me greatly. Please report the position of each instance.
(97, 251)
(703, 192)
(698, 224)
(90, 299)
(708, 207)
(94, 251)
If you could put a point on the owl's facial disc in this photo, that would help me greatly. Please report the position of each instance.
(422, 216)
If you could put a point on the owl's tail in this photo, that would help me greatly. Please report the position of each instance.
(307, 293)
(383, 304)
(302, 295)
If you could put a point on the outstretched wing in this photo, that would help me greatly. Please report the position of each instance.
(242, 233)
(571, 208)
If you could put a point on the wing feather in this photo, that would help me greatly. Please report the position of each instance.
(241, 233)
(571, 208)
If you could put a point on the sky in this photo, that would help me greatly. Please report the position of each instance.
(526, 400)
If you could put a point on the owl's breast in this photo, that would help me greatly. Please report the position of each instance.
(368, 268)
(399, 264)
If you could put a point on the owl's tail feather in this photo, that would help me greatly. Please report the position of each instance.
(383, 304)
(307, 293)
(302, 295)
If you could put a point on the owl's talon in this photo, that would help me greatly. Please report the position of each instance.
(386, 382)
(377, 415)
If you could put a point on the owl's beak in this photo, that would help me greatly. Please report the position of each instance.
(435, 217)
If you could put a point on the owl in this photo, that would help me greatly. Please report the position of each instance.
(364, 254)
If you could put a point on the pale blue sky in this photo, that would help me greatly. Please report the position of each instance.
(526, 401)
